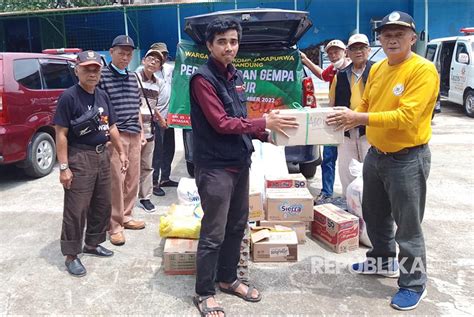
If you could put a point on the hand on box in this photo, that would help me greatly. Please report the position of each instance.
(345, 118)
(276, 122)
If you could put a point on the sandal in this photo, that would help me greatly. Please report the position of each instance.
(247, 297)
(204, 309)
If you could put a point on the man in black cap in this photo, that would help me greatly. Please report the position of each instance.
(397, 105)
(84, 123)
(122, 89)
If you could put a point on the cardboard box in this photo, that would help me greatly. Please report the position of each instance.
(292, 204)
(336, 228)
(286, 181)
(274, 246)
(312, 128)
(179, 256)
(299, 227)
(256, 212)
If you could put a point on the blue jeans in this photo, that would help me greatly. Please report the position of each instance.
(395, 193)
(328, 168)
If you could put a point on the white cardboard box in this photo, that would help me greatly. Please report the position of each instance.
(289, 204)
(312, 128)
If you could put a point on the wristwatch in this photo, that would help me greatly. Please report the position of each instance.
(63, 166)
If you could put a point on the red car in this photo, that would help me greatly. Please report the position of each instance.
(30, 85)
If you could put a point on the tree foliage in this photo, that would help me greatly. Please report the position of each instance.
(27, 5)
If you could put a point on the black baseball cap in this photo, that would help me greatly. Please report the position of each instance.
(397, 18)
(123, 40)
(88, 58)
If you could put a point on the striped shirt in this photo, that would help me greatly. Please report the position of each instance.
(124, 97)
(151, 90)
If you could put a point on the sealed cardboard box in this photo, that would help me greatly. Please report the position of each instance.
(299, 227)
(286, 181)
(336, 228)
(179, 256)
(274, 246)
(256, 212)
(292, 204)
(312, 128)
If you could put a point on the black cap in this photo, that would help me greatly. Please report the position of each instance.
(89, 58)
(123, 40)
(397, 18)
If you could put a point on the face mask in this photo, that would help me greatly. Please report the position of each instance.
(338, 64)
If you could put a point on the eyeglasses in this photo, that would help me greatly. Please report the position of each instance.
(358, 48)
(153, 59)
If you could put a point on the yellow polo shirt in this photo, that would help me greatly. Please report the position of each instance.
(400, 101)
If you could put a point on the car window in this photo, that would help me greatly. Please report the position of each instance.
(57, 74)
(461, 48)
(27, 73)
(376, 54)
(430, 52)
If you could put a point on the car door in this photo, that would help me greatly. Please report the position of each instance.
(458, 76)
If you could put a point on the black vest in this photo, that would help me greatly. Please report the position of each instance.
(343, 89)
(210, 148)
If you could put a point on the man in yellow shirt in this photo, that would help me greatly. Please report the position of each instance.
(347, 90)
(396, 107)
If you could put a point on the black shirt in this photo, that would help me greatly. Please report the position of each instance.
(73, 102)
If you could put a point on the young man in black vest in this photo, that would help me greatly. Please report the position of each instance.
(347, 91)
(222, 140)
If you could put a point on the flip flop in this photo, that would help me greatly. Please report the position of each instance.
(247, 297)
(204, 310)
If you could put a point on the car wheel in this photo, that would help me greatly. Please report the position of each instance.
(190, 168)
(42, 155)
(469, 103)
(308, 169)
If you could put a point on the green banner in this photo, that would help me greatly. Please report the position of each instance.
(273, 80)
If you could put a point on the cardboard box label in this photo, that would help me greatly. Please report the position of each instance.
(278, 252)
(286, 181)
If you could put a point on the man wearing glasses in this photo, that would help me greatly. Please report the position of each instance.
(347, 90)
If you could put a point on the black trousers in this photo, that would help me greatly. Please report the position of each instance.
(163, 153)
(88, 200)
(225, 201)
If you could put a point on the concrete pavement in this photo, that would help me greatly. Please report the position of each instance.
(132, 282)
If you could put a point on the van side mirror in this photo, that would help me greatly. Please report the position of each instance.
(463, 58)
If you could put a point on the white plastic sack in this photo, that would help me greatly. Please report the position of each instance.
(354, 199)
(188, 192)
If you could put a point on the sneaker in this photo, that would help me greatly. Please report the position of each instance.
(390, 269)
(406, 299)
(322, 199)
(168, 183)
(147, 205)
(158, 191)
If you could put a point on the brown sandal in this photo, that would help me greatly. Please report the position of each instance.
(247, 297)
(204, 310)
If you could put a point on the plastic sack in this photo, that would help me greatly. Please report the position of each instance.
(188, 192)
(181, 221)
(354, 199)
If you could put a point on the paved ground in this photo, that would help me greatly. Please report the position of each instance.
(34, 280)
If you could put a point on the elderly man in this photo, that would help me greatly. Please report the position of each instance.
(336, 51)
(396, 108)
(122, 89)
(84, 123)
(347, 90)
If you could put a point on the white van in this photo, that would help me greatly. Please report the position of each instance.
(454, 60)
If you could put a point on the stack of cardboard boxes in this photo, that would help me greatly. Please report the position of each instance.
(287, 205)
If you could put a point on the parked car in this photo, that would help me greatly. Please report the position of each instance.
(30, 85)
(265, 31)
(454, 60)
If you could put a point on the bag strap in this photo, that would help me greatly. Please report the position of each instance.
(147, 103)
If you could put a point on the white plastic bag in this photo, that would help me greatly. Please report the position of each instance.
(188, 192)
(354, 199)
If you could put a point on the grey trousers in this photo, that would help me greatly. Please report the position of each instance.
(395, 193)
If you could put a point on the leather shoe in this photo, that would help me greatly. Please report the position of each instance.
(134, 225)
(98, 251)
(117, 238)
(168, 183)
(75, 268)
(158, 191)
